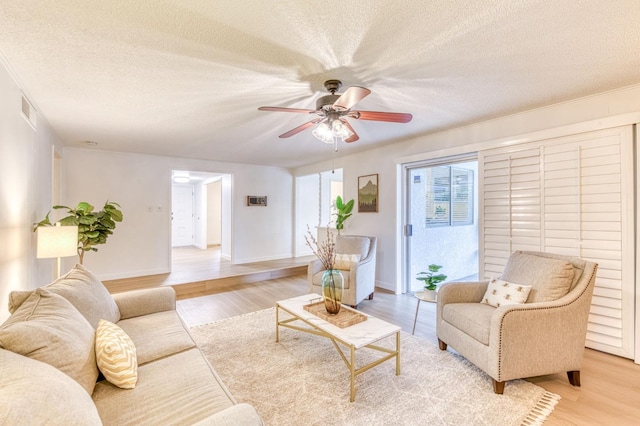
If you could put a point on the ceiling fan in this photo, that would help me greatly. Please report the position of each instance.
(332, 111)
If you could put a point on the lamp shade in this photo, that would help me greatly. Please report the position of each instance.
(57, 241)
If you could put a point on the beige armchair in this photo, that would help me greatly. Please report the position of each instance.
(360, 278)
(545, 335)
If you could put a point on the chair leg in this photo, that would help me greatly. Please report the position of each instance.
(371, 296)
(574, 377)
(442, 345)
(498, 387)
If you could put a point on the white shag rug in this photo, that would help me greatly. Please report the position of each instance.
(303, 381)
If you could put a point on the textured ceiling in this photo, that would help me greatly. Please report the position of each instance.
(185, 78)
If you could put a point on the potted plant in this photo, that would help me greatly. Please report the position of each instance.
(343, 212)
(430, 279)
(93, 226)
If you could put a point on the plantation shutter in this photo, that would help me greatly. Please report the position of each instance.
(572, 196)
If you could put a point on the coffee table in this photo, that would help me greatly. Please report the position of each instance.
(353, 337)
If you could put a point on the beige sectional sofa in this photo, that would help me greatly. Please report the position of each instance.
(48, 365)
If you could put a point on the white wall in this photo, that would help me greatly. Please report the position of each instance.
(307, 210)
(603, 110)
(140, 244)
(214, 212)
(226, 214)
(26, 161)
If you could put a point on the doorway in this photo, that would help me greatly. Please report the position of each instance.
(441, 219)
(200, 208)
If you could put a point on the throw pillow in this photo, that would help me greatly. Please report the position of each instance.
(47, 327)
(345, 261)
(83, 290)
(116, 355)
(501, 293)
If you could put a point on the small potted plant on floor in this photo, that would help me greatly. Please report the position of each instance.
(430, 279)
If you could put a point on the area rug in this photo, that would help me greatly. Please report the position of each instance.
(302, 380)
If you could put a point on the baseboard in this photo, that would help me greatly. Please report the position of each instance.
(133, 274)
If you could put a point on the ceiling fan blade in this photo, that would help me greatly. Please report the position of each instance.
(350, 97)
(279, 109)
(394, 117)
(301, 127)
(354, 137)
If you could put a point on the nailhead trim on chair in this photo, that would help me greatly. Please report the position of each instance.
(592, 277)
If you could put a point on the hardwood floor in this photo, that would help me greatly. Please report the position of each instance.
(610, 391)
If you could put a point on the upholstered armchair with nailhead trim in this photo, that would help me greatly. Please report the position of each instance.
(485, 323)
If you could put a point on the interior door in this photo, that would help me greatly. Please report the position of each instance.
(182, 215)
(441, 220)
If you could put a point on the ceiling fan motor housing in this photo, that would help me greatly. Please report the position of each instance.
(327, 100)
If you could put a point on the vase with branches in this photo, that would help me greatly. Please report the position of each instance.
(332, 279)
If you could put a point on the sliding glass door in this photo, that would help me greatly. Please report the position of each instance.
(441, 220)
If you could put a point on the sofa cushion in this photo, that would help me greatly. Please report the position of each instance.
(178, 389)
(35, 393)
(84, 291)
(346, 261)
(157, 335)
(240, 414)
(473, 319)
(116, 355)
(550, 278)
(353, 244)
(48, 328)
(501, 293)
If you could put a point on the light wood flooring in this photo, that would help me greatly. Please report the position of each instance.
(610, 391)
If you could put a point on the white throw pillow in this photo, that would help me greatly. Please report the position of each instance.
(116, 355)
(501, 293)
(345, 261)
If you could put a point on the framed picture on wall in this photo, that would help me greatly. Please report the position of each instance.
(368, 194)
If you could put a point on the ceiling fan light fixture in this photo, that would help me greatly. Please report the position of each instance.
(332, 131)
(323, 132)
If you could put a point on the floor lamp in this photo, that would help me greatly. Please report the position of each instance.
(57, 241)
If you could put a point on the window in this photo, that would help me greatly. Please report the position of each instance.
(449, 196)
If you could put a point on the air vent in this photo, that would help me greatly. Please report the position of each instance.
(29, 112)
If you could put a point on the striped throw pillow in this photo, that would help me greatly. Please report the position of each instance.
(116, 355)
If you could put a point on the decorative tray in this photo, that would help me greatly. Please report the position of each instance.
(342, 319)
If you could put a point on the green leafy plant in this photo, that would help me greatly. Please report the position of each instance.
(93, 226)
(343, 212)
(430, 278)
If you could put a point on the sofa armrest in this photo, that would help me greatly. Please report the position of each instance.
(462, 292)
(237, 415)
(314, 267)
(536, 347)
(136, 303)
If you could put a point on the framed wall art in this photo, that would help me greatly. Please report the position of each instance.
(368, 194)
